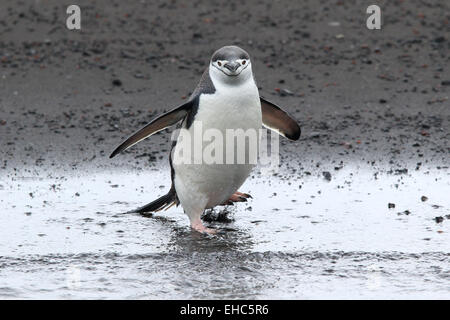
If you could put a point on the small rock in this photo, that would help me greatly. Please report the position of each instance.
(391, 205)
(327, 175)
(117, 82)
(401, 171)
(439, 219)
(286, 92)
(424, 198)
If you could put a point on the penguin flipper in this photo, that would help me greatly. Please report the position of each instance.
(164, 202)
(160, 123)
(274, 118)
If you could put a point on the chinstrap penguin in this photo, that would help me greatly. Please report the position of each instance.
(225, 98)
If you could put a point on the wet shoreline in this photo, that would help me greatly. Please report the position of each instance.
(322, 236)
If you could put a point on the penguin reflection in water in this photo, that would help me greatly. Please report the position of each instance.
(226, 98)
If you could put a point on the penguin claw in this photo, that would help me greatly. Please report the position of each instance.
(238, 197)
(245, 195)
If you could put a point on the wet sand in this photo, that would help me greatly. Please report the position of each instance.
(374, 112)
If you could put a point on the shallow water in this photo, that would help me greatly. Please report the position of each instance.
(305, 237)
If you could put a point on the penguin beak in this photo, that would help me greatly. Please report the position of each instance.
(232, 66)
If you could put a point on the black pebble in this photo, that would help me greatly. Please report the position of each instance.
(438, 219)
(117, 82)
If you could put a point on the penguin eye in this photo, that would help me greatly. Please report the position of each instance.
(243, 62)
(219, 63)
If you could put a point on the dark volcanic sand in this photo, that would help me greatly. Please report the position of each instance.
(375, 115)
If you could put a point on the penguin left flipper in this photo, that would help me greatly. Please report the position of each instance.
(160, 123)
(274, 118)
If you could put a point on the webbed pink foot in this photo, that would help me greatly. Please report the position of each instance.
(199, 227)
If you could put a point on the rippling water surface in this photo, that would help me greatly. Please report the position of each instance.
(68, 237)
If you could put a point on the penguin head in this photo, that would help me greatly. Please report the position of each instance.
(230, 64)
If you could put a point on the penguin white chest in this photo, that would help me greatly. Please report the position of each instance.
(233, 113)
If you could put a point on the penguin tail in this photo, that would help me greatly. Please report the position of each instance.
(164, 202)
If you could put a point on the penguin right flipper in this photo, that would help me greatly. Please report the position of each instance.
(274, 118)
(160, 123)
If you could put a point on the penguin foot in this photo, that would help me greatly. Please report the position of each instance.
(237, 197)
(199, 227)
(245, 195)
